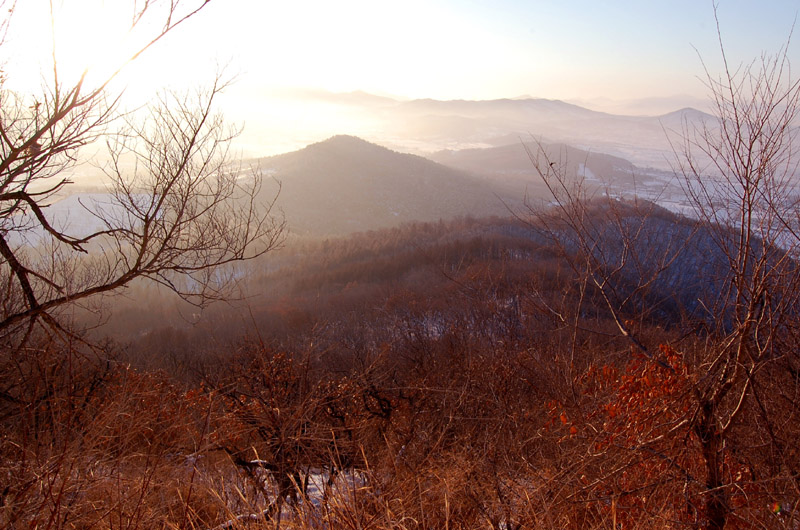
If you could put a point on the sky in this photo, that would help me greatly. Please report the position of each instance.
(487, 49)
(592, 52)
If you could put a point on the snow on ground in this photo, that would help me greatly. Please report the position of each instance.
(586, 173)
(322, 495)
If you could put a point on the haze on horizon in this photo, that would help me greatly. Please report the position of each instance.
(625, 56)
(481, 49)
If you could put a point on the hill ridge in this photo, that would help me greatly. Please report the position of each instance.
(345, 184)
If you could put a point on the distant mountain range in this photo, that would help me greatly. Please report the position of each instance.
(649, 106)
(643, 140)
(424, 126)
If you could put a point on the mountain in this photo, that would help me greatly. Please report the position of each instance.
(345, 184)
(424, 126)
(677, 119)
(599, 173)
(520, 109)
(513, 161)
(649, 106)
(646, 141)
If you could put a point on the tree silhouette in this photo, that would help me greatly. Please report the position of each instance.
(184, 209)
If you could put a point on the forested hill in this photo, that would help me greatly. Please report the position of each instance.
(360, 284)
(345, 185)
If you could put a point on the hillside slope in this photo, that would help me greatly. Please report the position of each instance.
(345, 185)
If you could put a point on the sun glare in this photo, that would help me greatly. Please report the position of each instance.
(93, 39)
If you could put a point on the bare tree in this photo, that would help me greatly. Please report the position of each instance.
(177, 207)
(617, 248)
(739, 172)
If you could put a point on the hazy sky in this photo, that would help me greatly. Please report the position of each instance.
(577, 50)
(482, 49)
(448, 49)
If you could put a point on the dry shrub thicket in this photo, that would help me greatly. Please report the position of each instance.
(602, 364)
